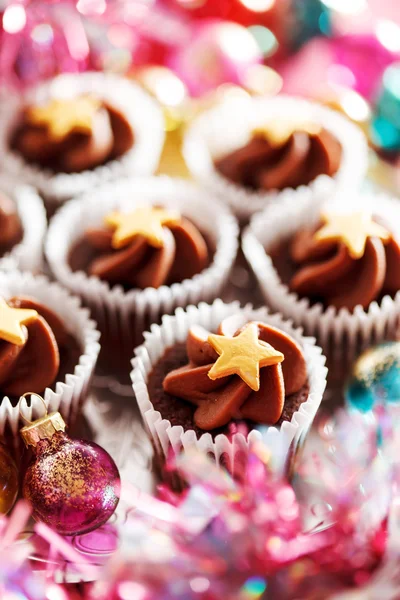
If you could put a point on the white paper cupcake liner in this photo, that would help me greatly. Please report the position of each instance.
(123, 316)
(341, 331)
(66, 396)
(141, 111)
(174, 329)
(27, 255)
(227, 126)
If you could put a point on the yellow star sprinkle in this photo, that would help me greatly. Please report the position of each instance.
(62, 116)
(351, 229)
(242, 355)
(278, 131)
(145, 221)
(11, 321)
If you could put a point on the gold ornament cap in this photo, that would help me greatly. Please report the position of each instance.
(43, 428)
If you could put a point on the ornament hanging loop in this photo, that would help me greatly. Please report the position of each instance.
(25, 396)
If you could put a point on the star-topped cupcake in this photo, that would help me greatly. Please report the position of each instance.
(209, 376)
(72, 134)
(147, 247)
(62, 117)
(282, 153)
(35, 347)
(346, 260)
(243, 373)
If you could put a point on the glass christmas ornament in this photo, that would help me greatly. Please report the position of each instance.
(73, 485)
(375, 377)
(8, 480)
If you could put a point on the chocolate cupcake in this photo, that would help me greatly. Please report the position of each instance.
(145, 248)
(335, 273)
(137, 250)
(48, 346)
(105, 128)
(22, 227)
(281, 145)
(216, 369)
(37, 348)
(71, 135)
(281, 155)
(346, 260)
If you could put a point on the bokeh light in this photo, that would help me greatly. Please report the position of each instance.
(14, 18)
(355, 106)
(348, 7)
(265, 39)
(199, 585)
(388, 33)
(42, 34)
(164, 85)
(237, 42)
(254, 588)
(258, 5)
(87, 7)
(260, 79)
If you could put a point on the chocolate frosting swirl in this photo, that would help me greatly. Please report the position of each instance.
(10, 224)
(221, 400)
(327, 273)
(34, 365)
(261, 165)
(111, 136)
(184, 254)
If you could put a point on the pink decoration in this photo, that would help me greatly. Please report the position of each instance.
(232, 539)
(229, 539)
(218, 52)
(324, 64)
(73, 485)
(40, 39)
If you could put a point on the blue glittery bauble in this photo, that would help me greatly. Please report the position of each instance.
(375, 377)
(385, 126)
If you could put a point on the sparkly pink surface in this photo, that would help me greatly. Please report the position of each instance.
(73, 485)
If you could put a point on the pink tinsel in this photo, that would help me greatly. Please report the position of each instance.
(335, 528)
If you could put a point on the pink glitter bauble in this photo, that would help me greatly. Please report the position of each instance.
(73, 485)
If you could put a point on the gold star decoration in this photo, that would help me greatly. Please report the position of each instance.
(351, 229)
(145, 221)
(242, 355)
(278, 131)
(62, 116)
(11, 321)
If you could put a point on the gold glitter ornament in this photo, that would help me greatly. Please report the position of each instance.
(73, 485)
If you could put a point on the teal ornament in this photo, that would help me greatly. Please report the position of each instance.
(375, 378)
(385, 126)
(311, 18)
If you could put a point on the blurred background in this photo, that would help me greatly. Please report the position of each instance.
(190, 53)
